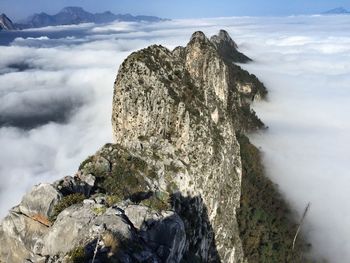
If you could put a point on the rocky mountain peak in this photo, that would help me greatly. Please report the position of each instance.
(198, 41)
(228, 48)
(73, 15)
(6, 23)
(223, 38)
(168, 189)
(198, 36)
(186, 107)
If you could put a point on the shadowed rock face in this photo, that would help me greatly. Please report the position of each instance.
(228, 48)
(169, 188)
(6, 23)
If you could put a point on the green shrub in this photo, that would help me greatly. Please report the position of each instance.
(66, 202)
(265, 222)
(77, 255)
(159, 201)
(172, 187)
(113, 199)
(99, 210)
(178, 73)
(126, 177)
(86, 161)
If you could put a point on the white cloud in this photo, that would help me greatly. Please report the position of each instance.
(304, 62)
(61, 28)
(306, 148)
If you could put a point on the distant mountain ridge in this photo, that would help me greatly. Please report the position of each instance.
(77, 15)
(71, 16)
(337, 11)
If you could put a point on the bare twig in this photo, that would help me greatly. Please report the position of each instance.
(301, 222)
(95, 252)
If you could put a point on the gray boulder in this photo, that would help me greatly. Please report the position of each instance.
(81, 183)
(71, 229)
(40, 201)
(22, 235)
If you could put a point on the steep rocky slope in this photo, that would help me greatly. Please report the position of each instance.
(169, 188)
(6, 23)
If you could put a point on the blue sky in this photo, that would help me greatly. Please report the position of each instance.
(176, 9)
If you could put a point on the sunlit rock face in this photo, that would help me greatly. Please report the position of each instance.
(186, 106)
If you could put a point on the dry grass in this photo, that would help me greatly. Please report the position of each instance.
(111, 242)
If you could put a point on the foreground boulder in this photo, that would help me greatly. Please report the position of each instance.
(94, 227)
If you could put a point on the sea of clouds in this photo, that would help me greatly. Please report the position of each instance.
(56, 87)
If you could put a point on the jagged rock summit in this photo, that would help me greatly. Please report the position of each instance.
(228, 48)
(6, 23)
(169, 187)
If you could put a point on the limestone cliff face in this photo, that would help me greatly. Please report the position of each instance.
(169, 188)
(186, 106)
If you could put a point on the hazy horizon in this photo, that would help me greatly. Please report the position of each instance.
(20, 9)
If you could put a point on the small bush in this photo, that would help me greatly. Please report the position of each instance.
(178, 73)
(158, 202)
(173, 168)
(99, 210)
(113, 199)
(77, 255)
(172, 187)
(66, 202)
(86, 161)
(111, 242)
(126, 177)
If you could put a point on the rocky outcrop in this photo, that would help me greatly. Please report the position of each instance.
(6, 23)
(102, 225)
(227, 48)
(169, 188)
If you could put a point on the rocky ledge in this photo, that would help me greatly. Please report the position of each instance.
(170, 188)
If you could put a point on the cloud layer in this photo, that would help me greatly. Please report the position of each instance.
(56, 87)
(306, 67)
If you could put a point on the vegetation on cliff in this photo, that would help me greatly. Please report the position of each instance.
(266, 224)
